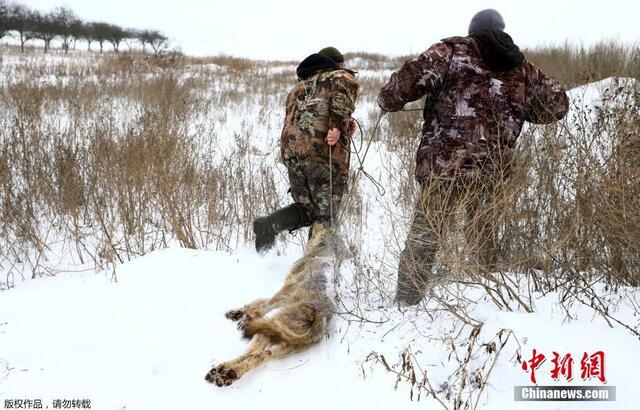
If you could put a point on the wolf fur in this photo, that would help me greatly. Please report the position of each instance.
(303, 305)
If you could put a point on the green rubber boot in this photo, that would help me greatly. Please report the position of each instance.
(289, 218)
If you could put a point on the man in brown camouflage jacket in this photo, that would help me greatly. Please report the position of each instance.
(478, 92)
(318, 120)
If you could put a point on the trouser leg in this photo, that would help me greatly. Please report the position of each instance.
(318, 188)
(483, 211)
(434, 212)
(416, 261)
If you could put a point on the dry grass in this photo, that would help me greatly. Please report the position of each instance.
(116, 158)
(565, 222)
(106, 160)
(576, 65)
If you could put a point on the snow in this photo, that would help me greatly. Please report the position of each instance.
(591, 95)
(146, 338)
(144, 335)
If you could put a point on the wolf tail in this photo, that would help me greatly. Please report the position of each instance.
(278, 331)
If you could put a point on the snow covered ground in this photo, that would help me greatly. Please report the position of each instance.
(146, 341)
(143, 336)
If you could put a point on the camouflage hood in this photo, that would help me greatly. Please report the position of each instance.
(497, 49)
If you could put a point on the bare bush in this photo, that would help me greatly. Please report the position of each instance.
(111, 157)
(575, 65)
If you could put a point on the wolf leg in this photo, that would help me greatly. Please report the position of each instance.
(237, 314)
(225, 374)
(258, 308)
(282, 349)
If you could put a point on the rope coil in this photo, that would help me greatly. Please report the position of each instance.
(330, 187)
(378, 185)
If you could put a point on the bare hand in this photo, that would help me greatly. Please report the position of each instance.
(332, 136)
(352, 126)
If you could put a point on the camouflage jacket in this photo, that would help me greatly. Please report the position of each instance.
(473, 115)
(323, 101)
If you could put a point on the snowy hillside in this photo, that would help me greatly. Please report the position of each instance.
(141, 334)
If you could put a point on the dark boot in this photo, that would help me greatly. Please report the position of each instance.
(289, 218)
(414, 277)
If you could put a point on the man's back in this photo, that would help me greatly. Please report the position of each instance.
(321, 102)
(473, 111)
(314, 145)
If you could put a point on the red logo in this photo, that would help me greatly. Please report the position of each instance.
(590, 366)
(562, 367)
(593, 366)
(533, 364)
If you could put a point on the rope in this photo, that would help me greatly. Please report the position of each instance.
(377, 184)
(330, 187)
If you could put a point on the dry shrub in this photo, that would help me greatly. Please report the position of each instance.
(575, 65)
(567, 213)
(121, 155)
(564, 220)
(230, 62)
(111, 164)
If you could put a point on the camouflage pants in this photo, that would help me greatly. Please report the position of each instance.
(435, 214)
(310, 187)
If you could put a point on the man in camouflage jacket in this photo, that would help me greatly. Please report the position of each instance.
(479, 90)
(318, 120)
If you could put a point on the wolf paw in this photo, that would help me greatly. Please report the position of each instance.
(235, 314)
(242, 323)
(221, 376)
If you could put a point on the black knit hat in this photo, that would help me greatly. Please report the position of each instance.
(333, 54)
(314, 63)
(488, 18)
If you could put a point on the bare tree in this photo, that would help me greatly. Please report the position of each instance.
(76, 31)
(64, 19)
(62, 22)
(131, 35)
(44, 28)
(86, 33)
(144, 37)
(100, 33)
(21, 21)
(115, 36)
(4, 18)
(158, 41)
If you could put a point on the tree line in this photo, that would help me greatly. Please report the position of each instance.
(63, 24)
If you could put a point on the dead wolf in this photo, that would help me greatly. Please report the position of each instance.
(303, 305)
